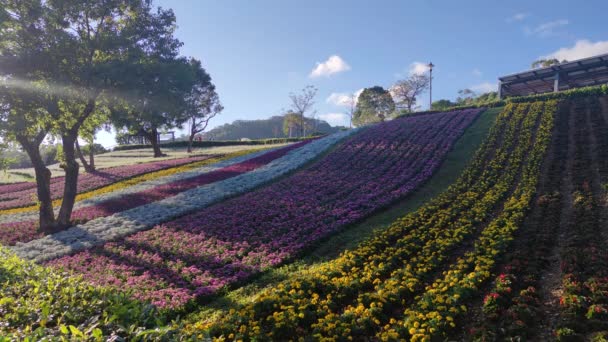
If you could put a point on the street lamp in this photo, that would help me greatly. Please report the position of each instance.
(430, 65)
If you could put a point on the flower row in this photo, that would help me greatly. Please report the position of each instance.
(140, 183)
(90, 181)
(584, 259)
(295, 305)
(196, 255)
(511, 308)
(119, 225)
(362, 292)
(129, 197)
(435, 311)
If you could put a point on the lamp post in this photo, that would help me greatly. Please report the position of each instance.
(430, 65)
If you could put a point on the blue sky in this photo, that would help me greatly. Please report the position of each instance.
(257, 52)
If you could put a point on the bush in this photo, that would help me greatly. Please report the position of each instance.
(39, 303)
(97, 149)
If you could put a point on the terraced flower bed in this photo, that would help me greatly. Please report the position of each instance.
(557, 274)
(393, 286)
(143, 217)
(138, 183)
(24, 231)
(22, 195)
(198, 254)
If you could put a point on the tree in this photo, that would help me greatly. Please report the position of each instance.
(57, 60)
(90, 127)
(291, 124)
(375, 104)
(157, 99)
(467, 97)
(352, 107)
(302, 103)
(442, 104)
(202, 103)
(405, 92)
(544, 63)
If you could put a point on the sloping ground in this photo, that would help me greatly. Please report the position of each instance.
(74, 310)
(455, 162)
(219, 185)
(26, 176)
(555, 281)
(198, 254)
(414, 279)
(23, 227)
(18, 195)
(141, 182)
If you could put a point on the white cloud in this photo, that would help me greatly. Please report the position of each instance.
(333, 65)
(581, 49)
(546, 29)
(517, 17)
(418, 68)
(477, 73)
(335, 119)
(485, 87)
(343, 99)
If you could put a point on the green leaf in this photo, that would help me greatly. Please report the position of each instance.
(97, 333)
(63, 329)
(75, 331)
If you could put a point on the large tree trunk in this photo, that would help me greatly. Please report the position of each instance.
(190, 140)
(153, 137)
(87, 167)
(70, 188)
(43, 184)
(91, 157)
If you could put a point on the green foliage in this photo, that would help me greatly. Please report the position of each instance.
(40, 303)
(292, 124)
(261, 129)
(544, 63)
(97, 149)
(601, 90)
(158, 95)
(375, 104)
(17, 159)
(442, 105)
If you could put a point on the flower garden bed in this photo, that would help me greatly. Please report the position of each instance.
(88, 181)
(104, 229)
(198, 254)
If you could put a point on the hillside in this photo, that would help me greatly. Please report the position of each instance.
(261, 129)
(377, 233)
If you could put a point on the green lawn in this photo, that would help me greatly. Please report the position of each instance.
(455, 162)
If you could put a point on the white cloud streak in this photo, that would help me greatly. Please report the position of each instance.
(335, 119)
(333, 65)
(343, 99)
(581, 49)
(484, 87)
(418, 68)
(546, 29)
(517, 17)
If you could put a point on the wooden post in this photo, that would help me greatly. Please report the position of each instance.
(556, 83)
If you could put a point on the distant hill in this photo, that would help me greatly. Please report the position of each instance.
(261, 129)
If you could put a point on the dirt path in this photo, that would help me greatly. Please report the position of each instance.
(604, 104)
(599, 193)
(603, 194)
(551, 287)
